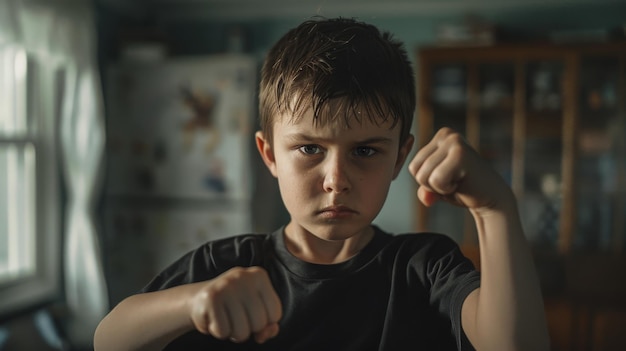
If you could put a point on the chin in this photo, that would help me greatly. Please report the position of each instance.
(338, 230)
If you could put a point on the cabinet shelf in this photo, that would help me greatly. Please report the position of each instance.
(536, 113)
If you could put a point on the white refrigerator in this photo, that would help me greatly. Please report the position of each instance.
(178, 167)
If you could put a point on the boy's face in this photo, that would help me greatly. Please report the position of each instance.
(333, 179)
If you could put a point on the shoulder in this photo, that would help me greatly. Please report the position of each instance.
(427, 251)
(223, 254)
(213, 258)
(237, 246)
(426, 238)
(425, 243)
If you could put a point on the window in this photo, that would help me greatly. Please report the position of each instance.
(17, 169)
(29, 231)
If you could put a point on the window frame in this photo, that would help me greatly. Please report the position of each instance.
(44, 285)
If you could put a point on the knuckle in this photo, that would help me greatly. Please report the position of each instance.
(438, 181)
(252, 272)
(444, 132)
(259, 275)
(457, 151)
(454, 138)
(236, 272)
(240, 335)
(457, 154)
(422, 178)
(216, 292)
(218, 330)
(257, 324)
(258, 271)
(255, 269)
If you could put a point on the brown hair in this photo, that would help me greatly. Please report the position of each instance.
(362, 71)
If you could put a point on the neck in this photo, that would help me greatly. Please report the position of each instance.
(314, 249)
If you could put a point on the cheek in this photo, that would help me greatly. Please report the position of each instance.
(377, 183)
(294, 183)
(376, 173)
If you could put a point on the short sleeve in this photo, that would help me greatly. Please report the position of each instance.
(210, 260)
(452, 277)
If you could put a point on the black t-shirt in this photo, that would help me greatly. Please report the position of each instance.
(401, 292)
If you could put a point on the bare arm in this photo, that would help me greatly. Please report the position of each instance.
(146, 321)
(237, 304)
(506, 312)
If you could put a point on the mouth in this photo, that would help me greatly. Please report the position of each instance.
(336, 212)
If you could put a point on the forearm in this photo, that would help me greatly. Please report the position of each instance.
(509, 313)
(145, 321)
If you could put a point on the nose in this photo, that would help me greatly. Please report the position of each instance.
(336, 179)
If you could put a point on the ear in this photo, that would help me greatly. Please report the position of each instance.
(267, 154)
(403, 152)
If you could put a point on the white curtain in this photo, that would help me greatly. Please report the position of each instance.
(82, 142)
(61, 35)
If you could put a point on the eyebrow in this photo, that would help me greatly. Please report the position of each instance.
(308, 138)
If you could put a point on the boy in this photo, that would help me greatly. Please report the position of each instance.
(336, 104)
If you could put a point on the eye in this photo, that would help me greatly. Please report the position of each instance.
(310, 149)
(364, 151)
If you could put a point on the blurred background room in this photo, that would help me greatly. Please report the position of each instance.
(126, 140)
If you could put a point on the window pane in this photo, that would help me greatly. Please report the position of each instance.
(13, 67)
(17, 211)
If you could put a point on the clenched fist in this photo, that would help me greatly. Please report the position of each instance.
(447, 168)
(237, 304)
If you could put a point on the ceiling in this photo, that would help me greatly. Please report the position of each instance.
(259, 9)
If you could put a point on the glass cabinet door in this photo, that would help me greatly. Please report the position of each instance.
(552, 122)
(477, 101)
(449, 96)
(541, 176)
(600, 186)
(491, 124)
(449, 109)
(495, 133)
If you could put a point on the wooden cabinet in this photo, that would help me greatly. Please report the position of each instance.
(551, 119)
